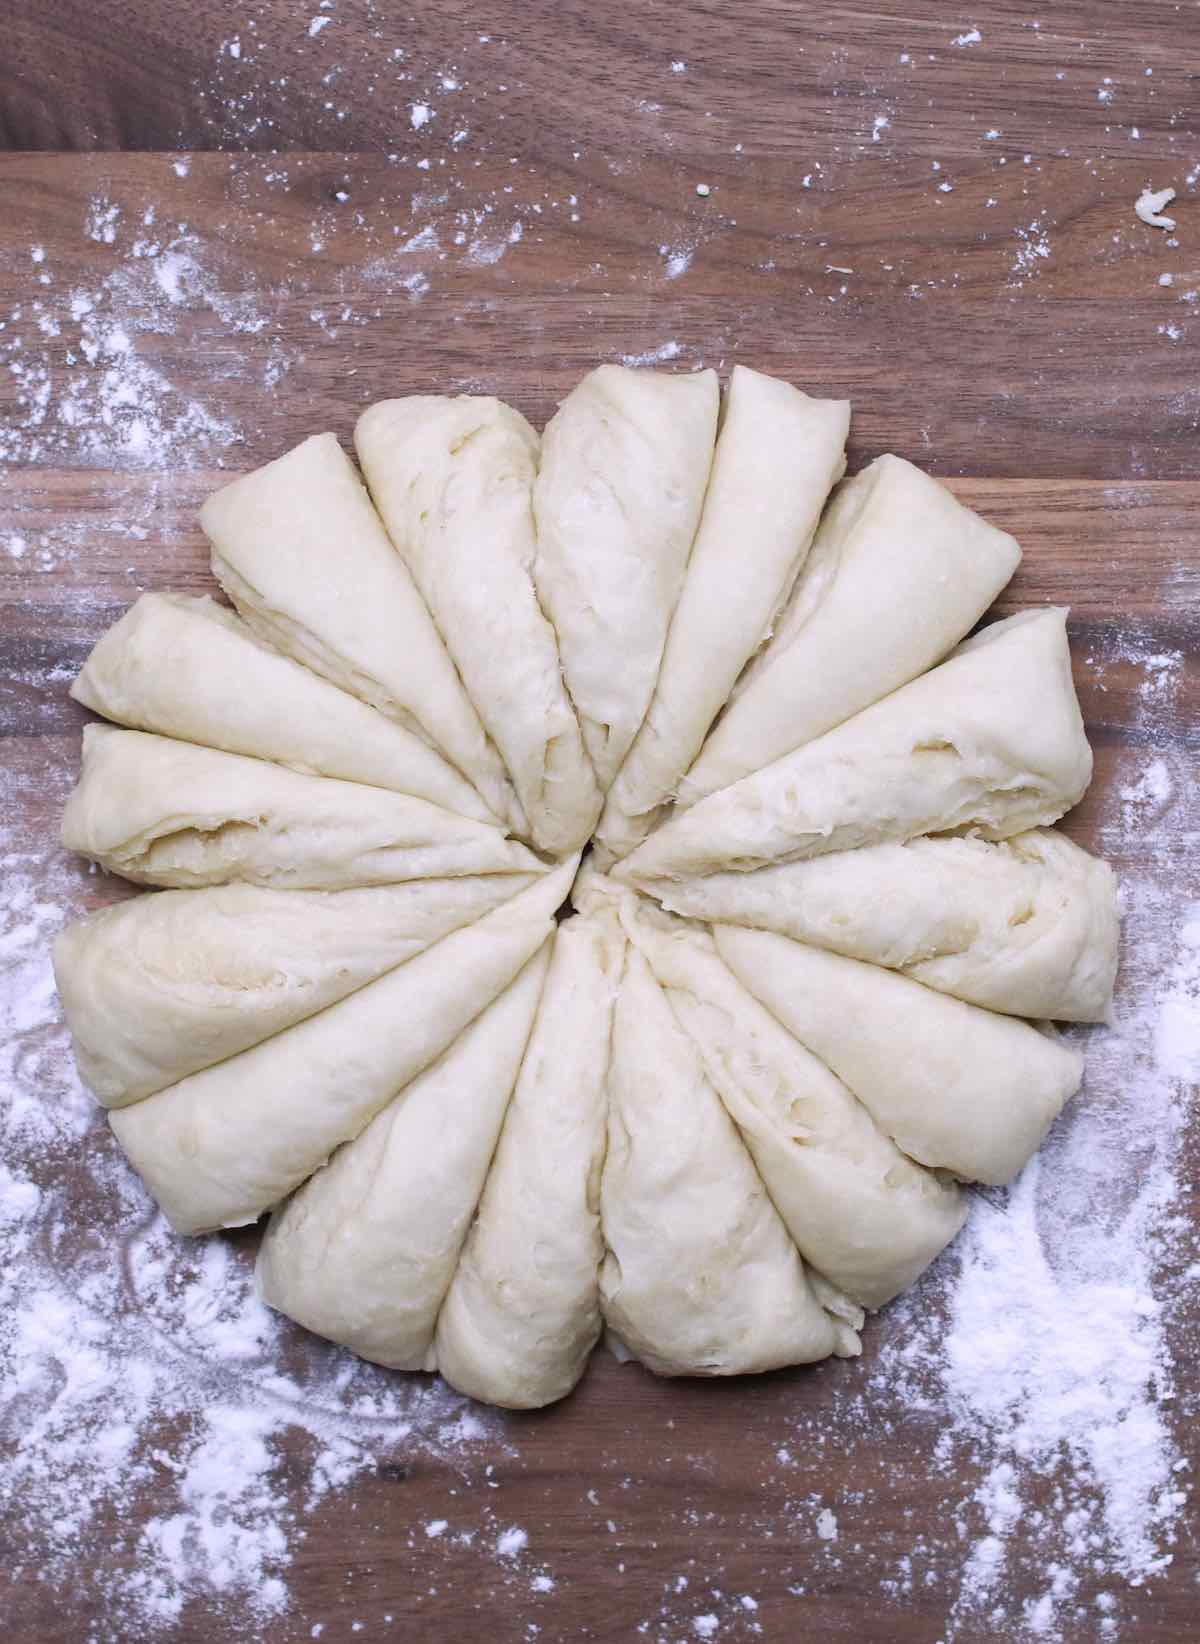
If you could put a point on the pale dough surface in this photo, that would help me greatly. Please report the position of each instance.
(225, 1144)
(453, 482)
(992, 740)
(858, 1209)
(172, 813)
(777, 455)
(303, 555)
(191, 669)
(700, 1277)
(956, 1087)
(161, 986)
(1028, 926)
(625, 461)
(365, 1251)
(898, 573)
(523, 1311)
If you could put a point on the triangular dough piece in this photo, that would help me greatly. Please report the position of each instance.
(301, 552)
(992, 740)
(163, 812)
(958, 1088)
(777, 455)
(625, 461)
(700, 1277)
(161, 986)
(453, 482)
(1028, 926)
(188, 668)
(365, 1251)
(223, 1145)
(523, 1311)
(860, 1212)
(898, 573)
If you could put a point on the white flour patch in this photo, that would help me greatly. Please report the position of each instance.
(654, 356)
(147, 1398)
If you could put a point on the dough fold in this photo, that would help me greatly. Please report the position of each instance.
(1028, 926)
(992, 740)
(898, 573)
(523, 1313)
(164, 985)
(858, 1210)
(225, 1144)
(700, 1277)
(162, 812)
(301, 552)
(777, 455)
(190, 669)
(453, 482)
(365, 1250)
(956, 1087)
(625, 461)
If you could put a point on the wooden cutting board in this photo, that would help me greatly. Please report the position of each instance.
(871, 202)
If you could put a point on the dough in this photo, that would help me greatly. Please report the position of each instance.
(364, 1252)
(992, 740)
(625, 461)
(189, 668)
(859, 1211)
(171, 813)
(777, 455)
(700, 1277)
(225, 1144)
(164, 985)
(899, 572)
(453, 482)
(301, 552)
(523, 1311)
(958, 1088)
(1028, 926)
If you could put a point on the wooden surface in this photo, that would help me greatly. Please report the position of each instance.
(990, 303)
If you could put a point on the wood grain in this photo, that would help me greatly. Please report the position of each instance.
(1010, 331)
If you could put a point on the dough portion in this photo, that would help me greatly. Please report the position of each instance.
(225, 1144)
(700, 1277)
(777, 455)
(523, 1311)
(162, 986)
(859, 1211)
(188, 668)
(625, 462)
(301, 552)
(453, 482)
(1028, 926)
(956, 1087)
(899, 572)
(163, 812)
(992, 740)
(365, 1251)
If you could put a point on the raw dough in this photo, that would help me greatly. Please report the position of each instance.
(1028, 926)
(991, 740)
(859, 1211)
(898, 573)
(777, 455)
(958, 1088)
(625, 461)
(172, 813)
(523, 1311)
(301, 552)
(188, 668)
(223, 1145)
(453, 482)
(365, 1251)
(700, 1277)
(165, 985)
